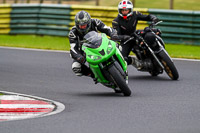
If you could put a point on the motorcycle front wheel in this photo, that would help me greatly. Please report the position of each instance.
(119, 80)
(169, 66)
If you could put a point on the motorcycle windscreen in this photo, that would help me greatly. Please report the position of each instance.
(92, 39)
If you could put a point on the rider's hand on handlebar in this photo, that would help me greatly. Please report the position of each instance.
(156, 20)
(114, 37)
(81, 60)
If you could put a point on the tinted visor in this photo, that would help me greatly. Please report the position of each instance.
(92, 39)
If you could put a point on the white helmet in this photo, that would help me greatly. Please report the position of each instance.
(125, 4)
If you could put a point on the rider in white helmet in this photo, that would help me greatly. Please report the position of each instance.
(125, 6)
(125, 24)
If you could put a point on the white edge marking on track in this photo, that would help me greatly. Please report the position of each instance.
(31, 49)
(60, 106)
(62, 51)
(25, 105)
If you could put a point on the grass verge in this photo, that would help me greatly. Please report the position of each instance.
(62, 43)
(158, 4)
(34, 41)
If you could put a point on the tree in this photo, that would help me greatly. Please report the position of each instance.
(97, 2)
(171, 4)
(133, 1)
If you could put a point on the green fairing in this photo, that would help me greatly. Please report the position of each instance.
(94, 58)
(91, 51)
(121, 59)
(97, 72)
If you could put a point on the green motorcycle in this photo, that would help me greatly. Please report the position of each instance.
(106, 62)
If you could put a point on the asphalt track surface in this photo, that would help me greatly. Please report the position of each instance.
(157, 105)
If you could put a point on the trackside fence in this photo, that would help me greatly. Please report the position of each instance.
(181, 27)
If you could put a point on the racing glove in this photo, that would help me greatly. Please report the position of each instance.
(155, 20)
(81, 59)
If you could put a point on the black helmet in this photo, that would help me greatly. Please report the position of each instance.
(83, 22)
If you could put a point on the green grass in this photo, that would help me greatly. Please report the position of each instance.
(158, 4)
(183, 51)
(164, 4)
(62, 43)
(34, 41)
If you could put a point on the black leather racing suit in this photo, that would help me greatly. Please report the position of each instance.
(76, 53)
(127, 27)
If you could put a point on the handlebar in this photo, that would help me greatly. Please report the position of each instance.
(136, 36)
(154, 24)
(129, 40)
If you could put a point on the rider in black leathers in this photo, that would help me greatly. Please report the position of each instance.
(83, 25)
(125, 24)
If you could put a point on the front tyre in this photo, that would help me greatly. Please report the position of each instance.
(169, 66)
(119, 80)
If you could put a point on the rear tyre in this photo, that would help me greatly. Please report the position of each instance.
(119, 80)
(169, 66)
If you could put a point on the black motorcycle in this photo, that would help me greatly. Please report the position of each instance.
(155, 53)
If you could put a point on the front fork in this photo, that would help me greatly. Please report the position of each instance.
(162, 49)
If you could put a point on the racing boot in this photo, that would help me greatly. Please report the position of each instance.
(136, 63)
(92, 76)
(145, 65)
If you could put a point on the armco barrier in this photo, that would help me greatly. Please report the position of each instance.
(5, 18)
(57, 19)
(51, 19)
(179, 26)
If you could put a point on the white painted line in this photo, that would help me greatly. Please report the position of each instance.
(14, 97)
(16, 117)
(17, 114)
(186, 59)
(26, 106)
(31, 49)
(61, 51)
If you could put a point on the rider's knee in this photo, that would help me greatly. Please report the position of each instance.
(76, 68)
(120, 48)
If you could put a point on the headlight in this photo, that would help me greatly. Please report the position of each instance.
(94, 57)
(110, 48)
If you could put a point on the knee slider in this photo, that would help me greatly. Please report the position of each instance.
(76, 67)
(120, 48)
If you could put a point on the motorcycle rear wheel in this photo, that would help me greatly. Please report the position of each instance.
(119, 80)
(169, 66)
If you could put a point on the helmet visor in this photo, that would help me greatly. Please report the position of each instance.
(84, 26)
(125, 11)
